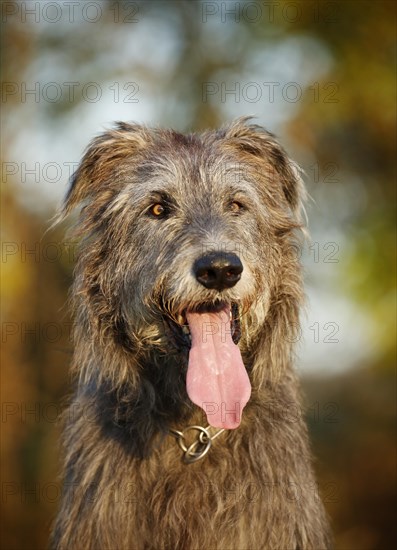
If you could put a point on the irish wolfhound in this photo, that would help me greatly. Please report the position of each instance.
(183, 432)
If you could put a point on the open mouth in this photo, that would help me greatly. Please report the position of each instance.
(216, 377)
(177, 328)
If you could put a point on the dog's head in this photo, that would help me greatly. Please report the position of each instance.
(186, 243)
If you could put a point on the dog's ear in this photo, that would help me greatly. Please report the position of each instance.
(98, 173)
(255, 140)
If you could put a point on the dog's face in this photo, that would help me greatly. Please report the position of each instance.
(186, 236)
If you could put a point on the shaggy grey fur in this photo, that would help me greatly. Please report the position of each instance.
(126, 485)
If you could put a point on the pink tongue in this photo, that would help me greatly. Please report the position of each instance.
(216, 380)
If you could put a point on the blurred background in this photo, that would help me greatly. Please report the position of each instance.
(321, 75)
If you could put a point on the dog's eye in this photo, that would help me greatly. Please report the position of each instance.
(236, 207)
(157, 210)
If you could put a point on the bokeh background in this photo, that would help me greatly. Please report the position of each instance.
(321, 75)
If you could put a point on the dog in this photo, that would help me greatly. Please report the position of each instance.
(186, 298)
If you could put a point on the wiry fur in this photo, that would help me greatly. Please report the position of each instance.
(126, 486)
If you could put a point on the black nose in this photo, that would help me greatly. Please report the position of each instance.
(218, 270)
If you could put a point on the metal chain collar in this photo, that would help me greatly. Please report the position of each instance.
(199, 448)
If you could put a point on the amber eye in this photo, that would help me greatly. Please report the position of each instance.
(236, 207)
(157, 210)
